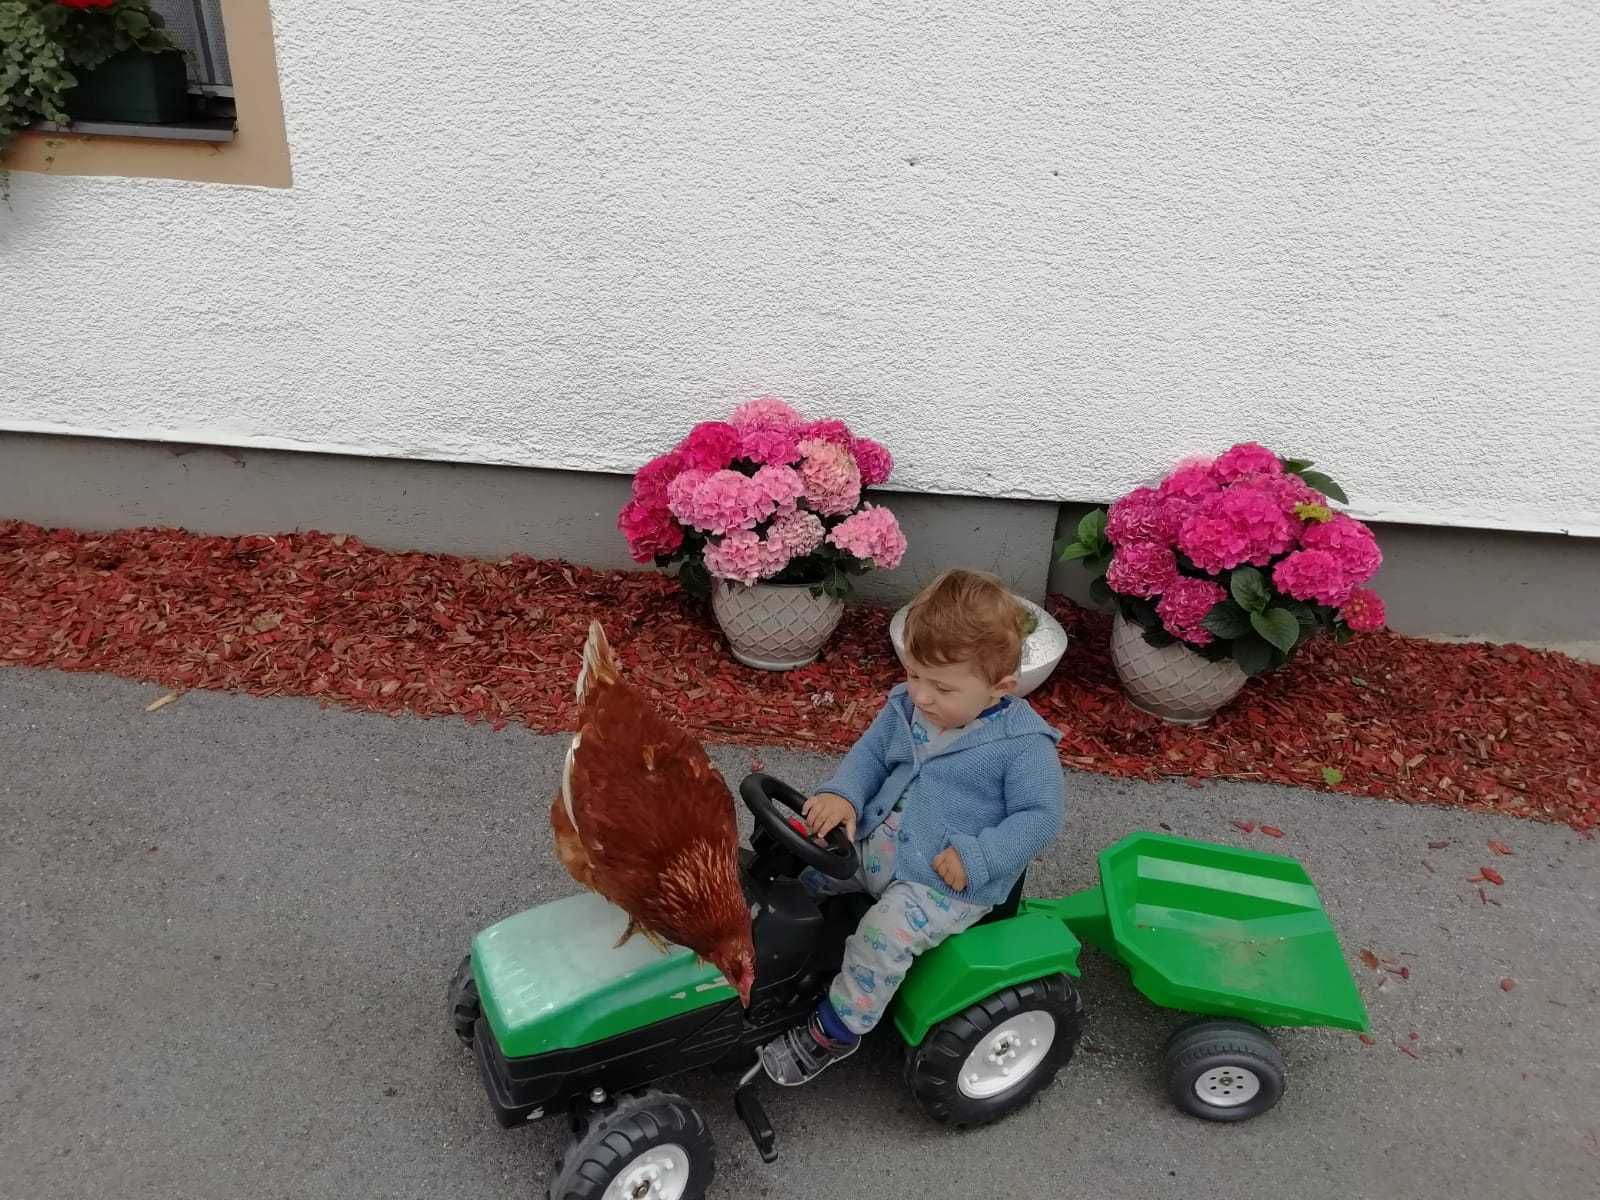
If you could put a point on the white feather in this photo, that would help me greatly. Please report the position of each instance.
(566, 778)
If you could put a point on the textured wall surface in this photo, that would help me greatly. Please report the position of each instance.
(1041, 251)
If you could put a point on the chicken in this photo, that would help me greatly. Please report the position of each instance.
(644, 819)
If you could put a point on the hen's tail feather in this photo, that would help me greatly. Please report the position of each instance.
(649, 936)
(598, 664)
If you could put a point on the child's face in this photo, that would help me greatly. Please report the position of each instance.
(951, 695)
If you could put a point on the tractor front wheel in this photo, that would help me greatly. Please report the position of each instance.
(1224, 1070)
(463, 1002)
(649, 1147)
(987, 1062)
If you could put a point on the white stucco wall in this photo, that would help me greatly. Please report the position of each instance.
(1041, 251)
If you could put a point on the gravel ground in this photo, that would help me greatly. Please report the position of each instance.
(228, 926)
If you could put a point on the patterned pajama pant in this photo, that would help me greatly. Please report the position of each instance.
(907, 920)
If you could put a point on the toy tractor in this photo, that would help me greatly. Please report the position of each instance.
(564, 1021)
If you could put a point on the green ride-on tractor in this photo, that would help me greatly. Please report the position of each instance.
(565, 1021)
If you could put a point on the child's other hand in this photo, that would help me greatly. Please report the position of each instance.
(825, 811)
(949, 867)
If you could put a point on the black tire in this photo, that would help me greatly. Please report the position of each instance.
(614, 1142)
(1224, 1070)
(933, 1069)
(465, 1008)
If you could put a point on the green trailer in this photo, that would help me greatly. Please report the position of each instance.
(565, 1022)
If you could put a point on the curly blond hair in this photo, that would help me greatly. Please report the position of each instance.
(967, 616)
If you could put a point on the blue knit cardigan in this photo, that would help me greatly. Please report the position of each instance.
(997, 795)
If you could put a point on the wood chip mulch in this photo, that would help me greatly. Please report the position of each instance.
(1498, 728)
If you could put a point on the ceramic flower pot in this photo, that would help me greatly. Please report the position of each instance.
(1171, 682)
(774, 627)
(1042, 650)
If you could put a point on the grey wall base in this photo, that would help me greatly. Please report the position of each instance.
(1536, 589)
(445, 508)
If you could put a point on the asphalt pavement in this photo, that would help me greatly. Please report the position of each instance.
(228, 925)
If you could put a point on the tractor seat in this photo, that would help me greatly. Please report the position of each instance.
(1007, 908)
(858, 903)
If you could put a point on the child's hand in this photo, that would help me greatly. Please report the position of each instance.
(949, 867)
(825, 811)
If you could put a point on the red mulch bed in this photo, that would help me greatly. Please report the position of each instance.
(1474, 726)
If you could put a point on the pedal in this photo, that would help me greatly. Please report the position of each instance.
(749, 1109)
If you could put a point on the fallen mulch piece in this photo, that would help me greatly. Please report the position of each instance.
(1492, 728)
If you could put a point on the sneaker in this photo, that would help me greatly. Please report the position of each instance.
(803, 1053)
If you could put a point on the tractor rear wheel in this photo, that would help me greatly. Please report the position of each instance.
(987, 1062)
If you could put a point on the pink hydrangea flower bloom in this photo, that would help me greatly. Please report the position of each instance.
(721, 501)
(874, 459)
(798, 532)
(680, 492)
(650, 531)
(743, 556)
(872, 535)
(781, 487)
(1290, 491)
(1143, 516)
(831, 477)
(764, 412)
(710, 446)
(778, 447)
(1364, 611)
(1247, 458)
(1189, 483)
(1142, 569)
(1242, 524)
(1349, 541)
(831, 430)
(1184, 605)
(650, 484)
(1313, 575)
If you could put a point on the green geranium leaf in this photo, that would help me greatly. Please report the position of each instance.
(1296, 465)
(1074, 550)
(1100, 590)
(1227, 620)
(1278, 626)
(1250, 589)
(1252, 654)
(1325, 485)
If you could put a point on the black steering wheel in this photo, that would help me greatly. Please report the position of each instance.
(775, 804)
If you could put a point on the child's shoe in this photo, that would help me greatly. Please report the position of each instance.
(804, 1052)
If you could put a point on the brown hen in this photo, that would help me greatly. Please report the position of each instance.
(644, 819)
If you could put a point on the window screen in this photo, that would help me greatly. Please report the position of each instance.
(196, 26)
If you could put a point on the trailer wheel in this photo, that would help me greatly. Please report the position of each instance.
(987, 1062)
(1224, 1070)
(465, 1008)
(653, 1146)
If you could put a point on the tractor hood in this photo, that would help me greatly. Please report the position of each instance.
(553, 978)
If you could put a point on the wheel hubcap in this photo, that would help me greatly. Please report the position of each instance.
(1007, 1055)
(660, 1173)
(1228, 1087)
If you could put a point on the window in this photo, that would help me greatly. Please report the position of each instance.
(196, 25)
(235, 131)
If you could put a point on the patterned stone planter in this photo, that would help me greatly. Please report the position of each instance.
(774, 627)
(1171, 682)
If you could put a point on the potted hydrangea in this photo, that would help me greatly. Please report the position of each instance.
(1224, 570)
(765, 512)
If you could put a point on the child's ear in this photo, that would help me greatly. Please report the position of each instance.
(1006, 686)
